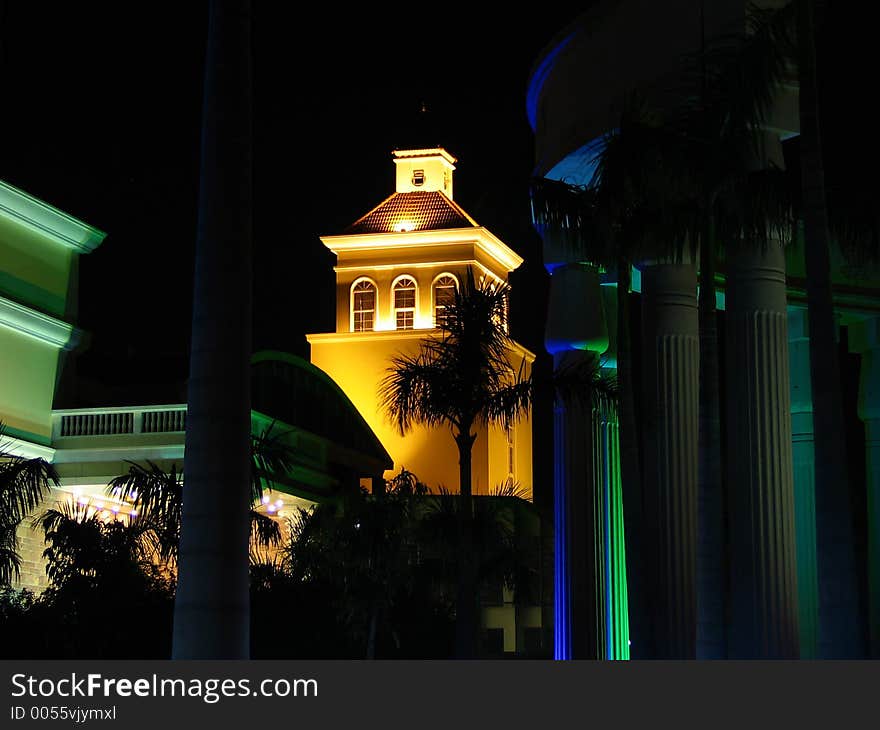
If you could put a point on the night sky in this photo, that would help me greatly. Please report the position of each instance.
(102, 106)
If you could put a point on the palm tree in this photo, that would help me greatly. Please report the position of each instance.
(158, 496)
(23, 484)
(84, 548)
(461, 379)
(104, 579)
(211, 616)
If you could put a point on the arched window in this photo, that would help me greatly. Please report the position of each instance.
(445, 287)
(363, 305)
(404, 298)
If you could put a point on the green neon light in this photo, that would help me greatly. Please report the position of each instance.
(43, 218)
(612, 607)
(35, 324)
(618, 545)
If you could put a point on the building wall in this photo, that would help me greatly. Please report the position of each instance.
(613, 48)
(36, 271)
(424, 276)
(27, 385)
(357, 363)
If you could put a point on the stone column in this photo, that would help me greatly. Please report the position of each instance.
(804, 472)
(576, 333)
(864, 338)
(671, 361)
(759, 459)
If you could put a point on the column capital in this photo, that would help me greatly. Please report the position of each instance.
(575, 313)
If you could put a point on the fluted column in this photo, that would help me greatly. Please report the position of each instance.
(804, 472)
(575, 635)
(759, 458)
(671, 382)
(864, 338)
(576, 333)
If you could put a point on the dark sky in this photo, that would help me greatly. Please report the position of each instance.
(101, 118)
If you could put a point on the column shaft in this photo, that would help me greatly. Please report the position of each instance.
(576, 333)
(864, 338)
(671, 384)
(872, 479)
(804, 472)
(575, 619)
(764, 581)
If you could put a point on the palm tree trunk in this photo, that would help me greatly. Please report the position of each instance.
(466, 611)
(711, 642)
(840, 626)
(630, 467)
(211, 612)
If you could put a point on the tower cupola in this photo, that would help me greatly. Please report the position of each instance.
(425, 170)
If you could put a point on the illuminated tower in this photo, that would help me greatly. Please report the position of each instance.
(397, 267)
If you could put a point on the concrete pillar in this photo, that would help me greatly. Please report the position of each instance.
(804, 472)
(864, 338)
(759, 459)
(670, 366)
(576, 334)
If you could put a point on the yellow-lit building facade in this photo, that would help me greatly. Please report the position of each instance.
(395, 268)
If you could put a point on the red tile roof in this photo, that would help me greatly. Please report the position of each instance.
(417, 211)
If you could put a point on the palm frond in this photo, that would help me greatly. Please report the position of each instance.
(415, 390)
(10, 560)
(265, 532)
(510, 402)
(462, 375)
(23, 484)
(510, 487)
(582, 382)
(271, 454)
(158, 496)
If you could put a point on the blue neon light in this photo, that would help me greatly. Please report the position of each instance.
(536, 83)
(561, 577)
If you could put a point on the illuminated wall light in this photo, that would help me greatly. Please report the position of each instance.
(272, 508)
(82, 500)
(115, 509)
(279, 504)
(100, 505)
(134, 494)
(133, 513)
(265, 499)
(383, 324)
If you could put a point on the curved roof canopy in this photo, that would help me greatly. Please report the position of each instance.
(301, 395)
